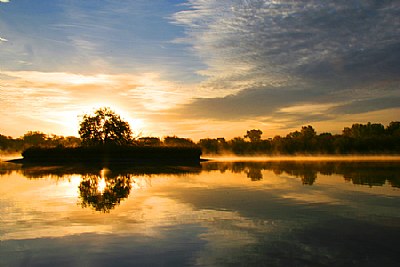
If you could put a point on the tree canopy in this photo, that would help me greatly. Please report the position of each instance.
(254, 135)
(105, 127)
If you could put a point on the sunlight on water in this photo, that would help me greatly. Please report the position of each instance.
(101, 185)
(220, 213)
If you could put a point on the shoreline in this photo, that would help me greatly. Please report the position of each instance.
(330, 157)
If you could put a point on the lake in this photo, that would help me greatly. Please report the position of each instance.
(228, 212)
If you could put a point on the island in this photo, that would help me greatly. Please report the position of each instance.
(107, 139)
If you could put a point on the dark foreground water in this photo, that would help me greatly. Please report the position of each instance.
(287, 213)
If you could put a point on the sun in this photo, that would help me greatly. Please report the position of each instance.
(136, 124)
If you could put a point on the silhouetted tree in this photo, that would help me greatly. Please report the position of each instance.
(238, 145)
(177, 141)
(324, 143)
(213, 145)
(254, 135)
(209, 146)
(105, 127)
(149, 141)
(35, 138)
(7, 143)
(308, 138)
(393, 128)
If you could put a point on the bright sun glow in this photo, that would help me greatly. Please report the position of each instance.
(72, 123)
(101, 184)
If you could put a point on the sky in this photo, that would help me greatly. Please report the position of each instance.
(199, 68)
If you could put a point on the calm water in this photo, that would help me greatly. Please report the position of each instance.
(218, 214)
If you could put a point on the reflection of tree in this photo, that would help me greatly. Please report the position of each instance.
(371, 173)
(307, 173)
(104, 193)
(254, 174)
(309, 178)
(370, 179)
(36, 171)
(362, 173)
(7, 168)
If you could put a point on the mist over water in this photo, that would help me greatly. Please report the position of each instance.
(315, 158)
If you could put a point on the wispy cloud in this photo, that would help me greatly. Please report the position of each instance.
(272, 58)
(3, 40)
(280, 42)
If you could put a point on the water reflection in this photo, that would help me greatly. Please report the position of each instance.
(360, 173)
(104, 192)
(103, 189)
(38, 171)
(224, 214)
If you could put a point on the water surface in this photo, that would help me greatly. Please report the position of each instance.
(231, 213)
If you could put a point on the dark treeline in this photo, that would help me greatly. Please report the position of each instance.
(358, 139)
(42, 140)
(36, 138)
(370, 138)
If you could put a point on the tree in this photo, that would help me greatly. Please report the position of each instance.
(238, 145)
(308, 138)
(254, 135)
(35, 138)
(393, 128)
(105, 127)
(178, 141)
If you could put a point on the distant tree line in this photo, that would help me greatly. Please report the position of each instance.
(359, 138)
(39, 139)
(106, 128)
(36, 138)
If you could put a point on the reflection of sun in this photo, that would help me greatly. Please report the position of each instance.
(70, 187)
(101, 184)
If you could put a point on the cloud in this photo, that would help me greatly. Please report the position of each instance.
(4, 1)
(148, 90)
(49, 99)
(362, 106)
(2, 40)
(96, 37)
(305, 102)
(269, 57)
(281, 42)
